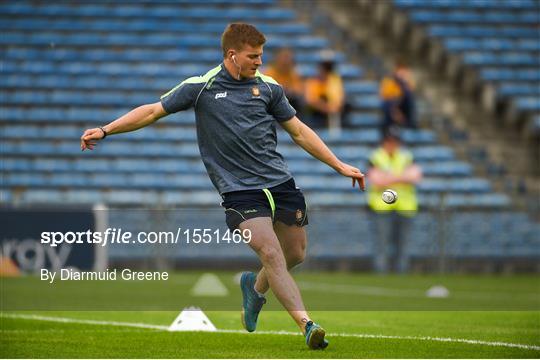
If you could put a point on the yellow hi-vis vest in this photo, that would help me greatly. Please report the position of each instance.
(407, 203)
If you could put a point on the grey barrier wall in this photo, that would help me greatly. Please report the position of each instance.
(350, 238)
(338, 238)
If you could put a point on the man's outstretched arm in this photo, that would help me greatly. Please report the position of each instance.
(312, 143)
(411, 175)
(135, 119)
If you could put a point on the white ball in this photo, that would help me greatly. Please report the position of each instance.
(389, 196)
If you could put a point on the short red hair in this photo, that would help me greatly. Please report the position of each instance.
(236, 35)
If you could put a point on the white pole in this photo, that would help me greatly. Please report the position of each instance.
(101, 222)
(334, 125)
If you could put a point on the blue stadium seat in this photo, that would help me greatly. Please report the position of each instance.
(69, 180)
(300, 42)
(6, 196)
(19, 131)
(153, 40)
(516, 88)
(460, 16)
(53, 165)
(528, 103)
(82, 114)
(207, 12)
(15, 164)
(508, 74)
(534, 126)
(91, 165)
(132, 196)
(211, 56)
(113, 25)
(74, 98)
(307, 56)
(504, 59)
(433, 153)
(320, 198)
(467, 185)
(306, 166)
(361, 87)
(418, 136)
(482, 31)
(48, 196)
(363, 119)
(70, 67)
(490, 44)
(473, 4)
(365, 102)
(24, 179)
(450, 168)
(483, 200)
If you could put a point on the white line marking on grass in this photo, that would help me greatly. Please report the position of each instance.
(356, 289)
(282, 332)
(439, 339)
(84, 321)
(412, 293)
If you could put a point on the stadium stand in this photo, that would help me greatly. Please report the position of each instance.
(489, 48)
(69, 66)
(499, 38)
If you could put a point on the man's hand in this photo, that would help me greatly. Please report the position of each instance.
(90, 138)
(135, 119)
(312, 143)
(355, 174)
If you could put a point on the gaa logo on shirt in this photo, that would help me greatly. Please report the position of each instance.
(255, 91)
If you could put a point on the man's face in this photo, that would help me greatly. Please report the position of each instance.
(249, 59)
(284, 60)
(391, 145)
(402, 72)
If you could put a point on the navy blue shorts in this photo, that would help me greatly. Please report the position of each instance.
(284, 202)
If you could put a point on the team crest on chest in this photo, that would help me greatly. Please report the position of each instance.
(299, 216)
(255, 91)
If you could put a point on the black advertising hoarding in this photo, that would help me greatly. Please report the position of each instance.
(23, 229)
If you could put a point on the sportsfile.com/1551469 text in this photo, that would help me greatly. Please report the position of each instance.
(118, 236)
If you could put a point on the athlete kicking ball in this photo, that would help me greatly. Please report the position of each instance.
(236, 109)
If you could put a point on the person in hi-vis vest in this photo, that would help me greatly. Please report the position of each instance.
(392, 167)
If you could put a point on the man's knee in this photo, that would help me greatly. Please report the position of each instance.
(296, 257)
(271, 256)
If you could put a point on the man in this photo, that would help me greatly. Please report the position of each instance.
(392, 167)
(325, 94)
(236, 109)
(397, 96)
(283, 70)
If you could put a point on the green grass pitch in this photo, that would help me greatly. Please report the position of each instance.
(457, 327)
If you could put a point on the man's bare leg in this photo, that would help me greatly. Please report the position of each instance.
(293, 242)
(266, 244)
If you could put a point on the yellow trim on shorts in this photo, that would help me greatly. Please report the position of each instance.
(271, 201)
